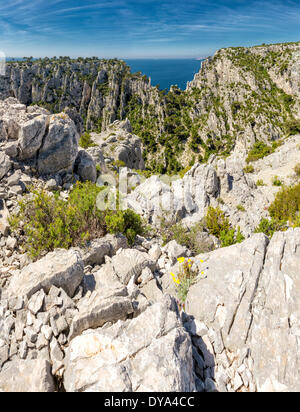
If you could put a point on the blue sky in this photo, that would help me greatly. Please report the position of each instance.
(142, 28)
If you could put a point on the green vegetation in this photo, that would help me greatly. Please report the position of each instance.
(185, 237)
(219, 226)
(215, 223)
(258, 151)
(126, 222)
(49, 222)
(86, 141)
(297, 170)
(284, 211)
(276, 181)
(293, 127)
(249, 169)
(119, 163)
(179, 128)
(241, 208)
(260, 182)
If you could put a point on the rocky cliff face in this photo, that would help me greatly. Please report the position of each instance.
(247, 94)
(240, 95)
(93, 92)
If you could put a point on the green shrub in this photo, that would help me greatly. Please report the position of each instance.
(231, 237)
(184, 280)
(286, 205)
(258, 151)
(85, 141)
(249, 169)
(219, 226)
(49, 222)
(216, 221)
(260, 182)
(241, 208)
(297, 170)
(126, 222)
(276, 181)
(269, 227)
(98, 169)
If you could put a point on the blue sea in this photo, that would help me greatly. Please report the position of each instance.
(167, 72)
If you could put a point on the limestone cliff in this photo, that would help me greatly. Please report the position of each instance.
(93, 92)
(240, 96)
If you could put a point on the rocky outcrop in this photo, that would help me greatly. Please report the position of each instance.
(127, 357)
(248, 308)
(47, 142)
(29, 376)
(63, 269)
(91, 89)
(120, 146)
(60, 146)
(5, 164)
(239, 331)
(221, 183)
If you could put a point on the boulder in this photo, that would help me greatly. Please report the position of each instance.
(31, 136)
(97, 249)
(5, 164)
(175, 251)
(85, 167)
(61, 268)
(125, 265)
(27, 376)
(60, 146)
(129, 357)
(119, 144)
(104, 305)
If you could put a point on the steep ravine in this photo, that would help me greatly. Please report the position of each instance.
(240, 95)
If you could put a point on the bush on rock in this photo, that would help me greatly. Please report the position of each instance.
(49, 222)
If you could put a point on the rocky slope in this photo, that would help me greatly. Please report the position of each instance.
(107, 316)
(86, 310)
(223, 183)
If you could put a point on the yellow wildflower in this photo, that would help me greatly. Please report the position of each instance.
(181, 260)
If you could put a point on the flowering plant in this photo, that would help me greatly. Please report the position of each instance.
(185, 279)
